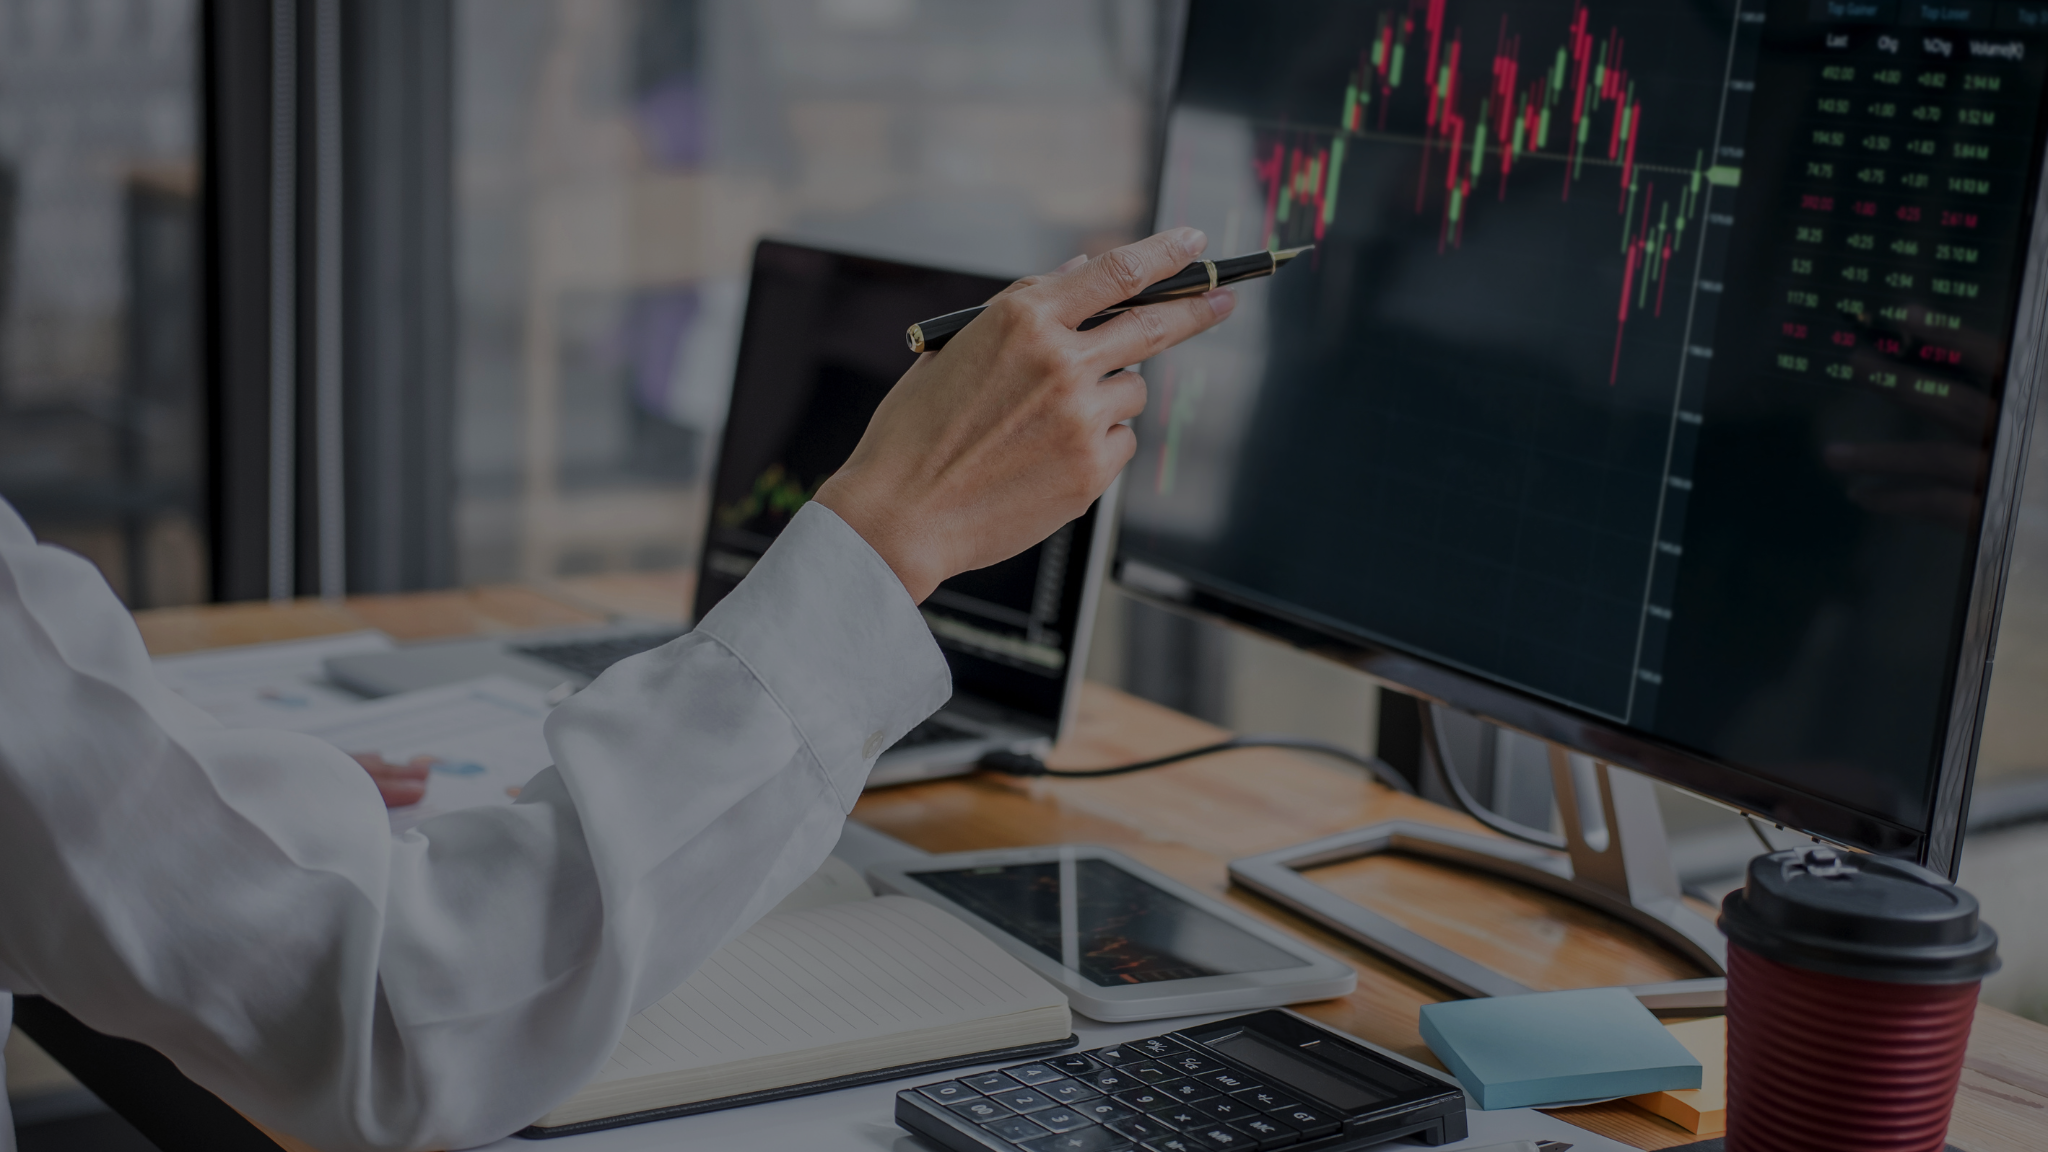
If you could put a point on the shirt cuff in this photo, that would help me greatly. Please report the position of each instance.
(832, 634)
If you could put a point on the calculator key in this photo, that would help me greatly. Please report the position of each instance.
(1060, 1119)
(1184, 1117)
(1310, 1121)
(1073, 1065)
(1085, 1140)
(1268, 1132)
(1148, 1072)
(1185, 1090)
(1107, 1080)
(1022, 1099)
(1068, 1091)
(1115, 1056)
(1014, 1129)
(1158, 1046)
(1032, 1074)
(1221, 1139)
(1140, 1128)
(1188, 1064)
(1172, 1144)
(1266, 1100)
(1224, 1080)
(1224, 1108)
(989, 1082)
(1103, 1111)
(1145, 1099)
(980, 1110)
(950, 1092)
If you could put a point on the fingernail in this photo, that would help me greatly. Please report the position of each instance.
(1191, 240)
(1222, 301)
(1070, 265)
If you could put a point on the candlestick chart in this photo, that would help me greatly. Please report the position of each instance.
(1179, 405)
(1484, 108)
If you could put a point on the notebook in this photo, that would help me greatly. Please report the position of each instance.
(1549, 1048)
(836, 987)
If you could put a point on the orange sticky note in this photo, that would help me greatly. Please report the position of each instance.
(1702, 1111)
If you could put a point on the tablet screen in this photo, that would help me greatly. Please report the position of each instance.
(1094, 918)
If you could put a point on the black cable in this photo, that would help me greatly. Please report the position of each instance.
(1022, 764)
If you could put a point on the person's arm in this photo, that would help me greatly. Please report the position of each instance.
(235, 899)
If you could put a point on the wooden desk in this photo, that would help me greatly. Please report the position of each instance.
(1190, 820)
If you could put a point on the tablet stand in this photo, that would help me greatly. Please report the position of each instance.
(1613, 857)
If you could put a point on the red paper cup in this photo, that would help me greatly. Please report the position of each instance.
(1852, 981)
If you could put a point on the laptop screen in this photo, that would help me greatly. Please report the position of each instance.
(821, 345)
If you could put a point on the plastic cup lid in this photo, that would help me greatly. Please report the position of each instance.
(1865, 917)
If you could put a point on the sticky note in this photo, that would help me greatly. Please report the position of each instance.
(1702, 1111)
(1557, 1047)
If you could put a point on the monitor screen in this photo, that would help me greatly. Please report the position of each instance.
(821, 344)
(1646, 369)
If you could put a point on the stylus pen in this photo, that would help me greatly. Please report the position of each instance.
(1193, 280)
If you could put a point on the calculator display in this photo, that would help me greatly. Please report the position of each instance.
(1101, 921)
(1262, 1055)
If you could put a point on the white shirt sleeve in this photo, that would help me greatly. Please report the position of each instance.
(236, 900)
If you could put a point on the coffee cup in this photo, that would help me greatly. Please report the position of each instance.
(1852, 983)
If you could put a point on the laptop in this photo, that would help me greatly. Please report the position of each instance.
(821, 344)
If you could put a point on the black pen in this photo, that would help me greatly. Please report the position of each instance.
(1193, 280)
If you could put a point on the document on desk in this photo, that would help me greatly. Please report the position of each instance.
(483, 735)
(281, 685)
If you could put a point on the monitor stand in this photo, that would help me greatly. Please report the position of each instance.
(1612, 857)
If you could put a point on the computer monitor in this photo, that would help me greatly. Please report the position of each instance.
(1658, 385)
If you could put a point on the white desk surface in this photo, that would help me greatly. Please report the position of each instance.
(861, 1119)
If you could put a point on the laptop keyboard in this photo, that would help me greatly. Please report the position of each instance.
(590, 657)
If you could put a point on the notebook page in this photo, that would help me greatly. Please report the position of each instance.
(827, 975)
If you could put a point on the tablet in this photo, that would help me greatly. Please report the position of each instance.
(1123, 941)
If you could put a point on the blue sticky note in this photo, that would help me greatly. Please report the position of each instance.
(1553, 1047)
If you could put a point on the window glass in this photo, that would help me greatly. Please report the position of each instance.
(617, 160)
(101, 433)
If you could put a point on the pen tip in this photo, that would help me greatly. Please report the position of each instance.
(1286, 254)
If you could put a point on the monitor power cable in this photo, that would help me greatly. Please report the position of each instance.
(1023, 764)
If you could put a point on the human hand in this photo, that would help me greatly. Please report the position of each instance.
(399, 784)
(988, 445)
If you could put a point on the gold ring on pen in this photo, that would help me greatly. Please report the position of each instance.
(1211, 266)
(916, 337)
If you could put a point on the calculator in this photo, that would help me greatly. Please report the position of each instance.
(1266, 1080)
